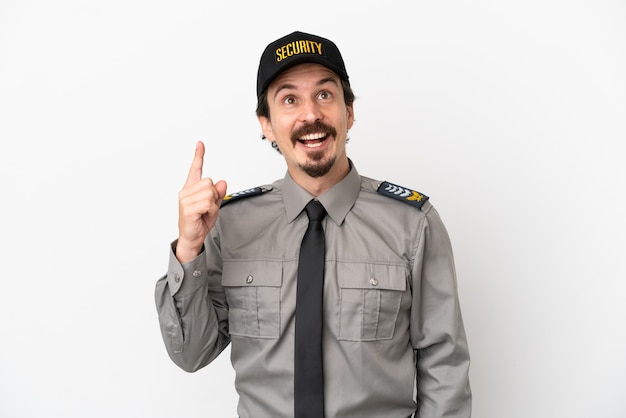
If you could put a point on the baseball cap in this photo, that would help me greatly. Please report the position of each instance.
(297, 48)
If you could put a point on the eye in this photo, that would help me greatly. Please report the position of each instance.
(324, 95)
(289, 100)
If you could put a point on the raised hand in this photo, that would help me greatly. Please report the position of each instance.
(198, 206)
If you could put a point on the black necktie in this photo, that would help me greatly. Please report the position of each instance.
(309, 373)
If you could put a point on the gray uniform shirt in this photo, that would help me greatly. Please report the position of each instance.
(393, 337)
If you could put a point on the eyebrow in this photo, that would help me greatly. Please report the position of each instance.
(322, 81)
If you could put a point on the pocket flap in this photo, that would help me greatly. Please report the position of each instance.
(252, 273)
(372, 276)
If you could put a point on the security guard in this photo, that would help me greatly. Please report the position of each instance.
(392, 341)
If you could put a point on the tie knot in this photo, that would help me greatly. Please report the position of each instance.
(315, 211)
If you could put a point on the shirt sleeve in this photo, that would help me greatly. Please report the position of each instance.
(192, 309)
(437, 332)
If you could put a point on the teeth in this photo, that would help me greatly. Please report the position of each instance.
(311, 137)
(313, 145)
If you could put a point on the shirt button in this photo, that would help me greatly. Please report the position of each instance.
(249, 279)
(176, 277)
(374, 281)
(197, 273)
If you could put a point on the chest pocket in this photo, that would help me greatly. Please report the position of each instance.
(253, 296)
(370, 298)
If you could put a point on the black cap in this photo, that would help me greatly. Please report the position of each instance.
(297, 48)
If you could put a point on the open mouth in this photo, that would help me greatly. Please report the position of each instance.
(314, 135)
(313, 140)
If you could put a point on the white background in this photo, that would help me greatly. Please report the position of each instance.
(509, 114)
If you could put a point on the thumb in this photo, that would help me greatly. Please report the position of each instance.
(221, 186)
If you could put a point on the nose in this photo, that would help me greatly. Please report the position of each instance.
(311, 111)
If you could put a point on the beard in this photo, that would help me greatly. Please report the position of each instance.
(317, 166)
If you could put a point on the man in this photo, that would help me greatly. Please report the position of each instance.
(388, 340)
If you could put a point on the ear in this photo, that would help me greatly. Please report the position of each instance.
(266, 127)
(350, 110)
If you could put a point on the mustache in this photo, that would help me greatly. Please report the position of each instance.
(311, 128)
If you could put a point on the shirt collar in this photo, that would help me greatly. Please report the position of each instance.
(337, 201)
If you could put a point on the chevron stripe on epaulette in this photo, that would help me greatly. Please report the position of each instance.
(409, 196)
(245, 193)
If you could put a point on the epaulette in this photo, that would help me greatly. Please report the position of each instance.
(245, 193)
(409, 196)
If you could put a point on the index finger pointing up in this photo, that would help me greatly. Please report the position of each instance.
(195, 172)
